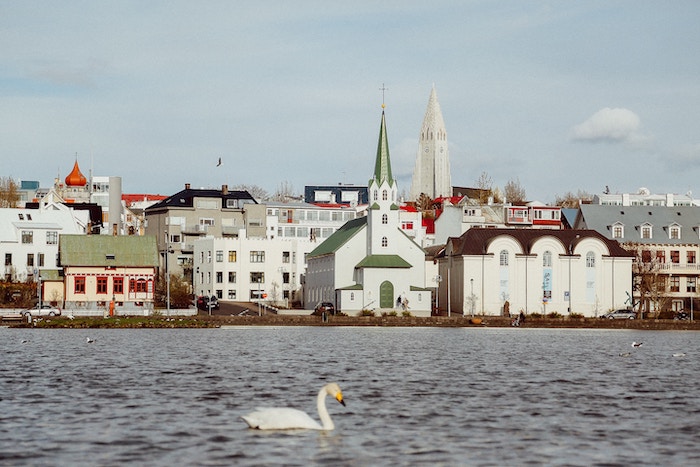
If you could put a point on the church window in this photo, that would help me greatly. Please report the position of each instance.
(385, 219)
(375, 195)
(547, 259)
(504, 257)
(590, 260)
(385, 242)
(384, 195)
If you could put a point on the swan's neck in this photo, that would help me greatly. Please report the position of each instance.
(326, 421)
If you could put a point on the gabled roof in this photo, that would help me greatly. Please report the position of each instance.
(339, 237)
(383, 261)
(107, 250)
(602, 217)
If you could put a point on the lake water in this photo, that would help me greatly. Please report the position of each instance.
(415, 396)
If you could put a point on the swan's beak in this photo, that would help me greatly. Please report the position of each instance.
(339, 398)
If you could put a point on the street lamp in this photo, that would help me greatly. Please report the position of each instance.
(471, 297)
(437, 279)
(167, 273)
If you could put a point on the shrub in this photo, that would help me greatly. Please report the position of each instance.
(406, 314)
(366, 313)
(575, 315)
(554, 315)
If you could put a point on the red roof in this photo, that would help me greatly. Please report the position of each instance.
(129, 199)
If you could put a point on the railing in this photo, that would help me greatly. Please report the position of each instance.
(678, 267)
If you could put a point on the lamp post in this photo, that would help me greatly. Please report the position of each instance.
(471, 297)
(437, 279)
(167, 273)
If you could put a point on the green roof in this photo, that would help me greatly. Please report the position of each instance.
(108, 250)
(383, 261)
(382, 165)
(351, 287)
(339, 237)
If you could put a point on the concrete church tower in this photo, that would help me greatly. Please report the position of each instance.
(431, 174)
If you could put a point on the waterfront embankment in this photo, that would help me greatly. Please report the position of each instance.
(204, 321)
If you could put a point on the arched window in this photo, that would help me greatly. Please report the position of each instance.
(385, 242)
(385, 219)
(385, 196)
(590, 260)
(547, 259)
(504, 257)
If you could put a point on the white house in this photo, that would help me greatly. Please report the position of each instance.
(370, 262)
(488, 271)
(29, 237)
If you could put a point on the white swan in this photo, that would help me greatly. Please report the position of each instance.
(89, 341)
(284, 418)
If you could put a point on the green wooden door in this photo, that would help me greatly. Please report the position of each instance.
(386, 295)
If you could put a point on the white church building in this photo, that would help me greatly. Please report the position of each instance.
(370, 263)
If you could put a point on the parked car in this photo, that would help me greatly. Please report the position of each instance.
(45, 310)
(324, 307)
(205, 303)
(620, 314)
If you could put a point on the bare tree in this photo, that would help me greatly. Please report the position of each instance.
(649, 285)
(255, 191)
(284, 192)
(514, 192)
(9, 193)
(571, 200)
(485, 185)
(424, 203)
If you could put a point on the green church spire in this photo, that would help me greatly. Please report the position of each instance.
(382, 166)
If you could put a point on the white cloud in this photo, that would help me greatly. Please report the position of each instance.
(609, 125)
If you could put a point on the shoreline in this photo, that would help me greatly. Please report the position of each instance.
(204, 321)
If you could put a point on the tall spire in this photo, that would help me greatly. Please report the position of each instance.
(431, 174)
(382, 166)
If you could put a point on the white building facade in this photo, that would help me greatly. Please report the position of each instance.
(491, 271)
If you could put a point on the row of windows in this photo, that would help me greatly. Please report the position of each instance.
(28, 237)
(675, 256)
(504, 258)
(255, 256)
(101, 286)
(255, 277)
(31, 257)
(646, 231)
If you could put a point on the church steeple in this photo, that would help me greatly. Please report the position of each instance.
(431, 174)
(382, 165)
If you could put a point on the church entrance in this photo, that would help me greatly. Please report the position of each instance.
(386, 295)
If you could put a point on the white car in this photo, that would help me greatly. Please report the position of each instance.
(45, 310)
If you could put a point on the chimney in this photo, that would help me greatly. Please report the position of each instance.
(224, 189)
(187, 186)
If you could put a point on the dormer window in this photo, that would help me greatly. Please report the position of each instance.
(646, 231)
(674, 232)
(618, 231)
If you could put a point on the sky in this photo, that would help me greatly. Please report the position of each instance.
(560, 96)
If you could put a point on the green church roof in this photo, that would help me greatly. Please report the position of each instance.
(383, 261)
(382, 166)
(339, 237)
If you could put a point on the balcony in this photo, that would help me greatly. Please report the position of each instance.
(195, 229)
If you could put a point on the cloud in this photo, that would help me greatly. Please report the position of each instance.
(609, 126)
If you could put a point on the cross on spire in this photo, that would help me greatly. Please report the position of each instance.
(383, 88)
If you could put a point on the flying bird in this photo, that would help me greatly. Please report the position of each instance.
(636, 344)
(89, 341)
(218, 163)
